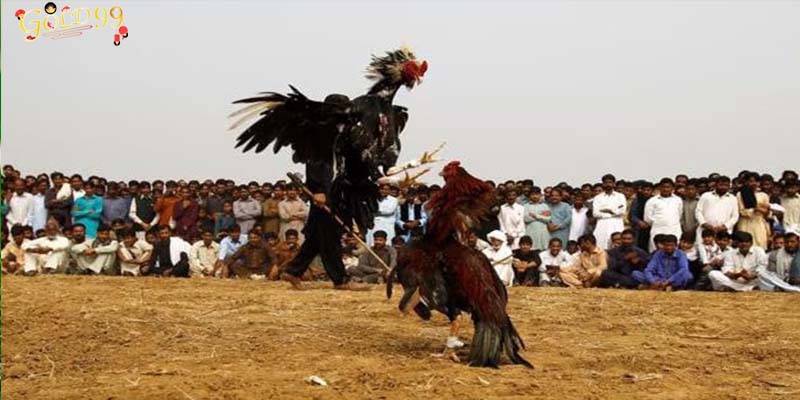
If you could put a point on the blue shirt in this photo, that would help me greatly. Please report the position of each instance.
(87, 211)
(227, 246)
(664, 267)
(116, 208)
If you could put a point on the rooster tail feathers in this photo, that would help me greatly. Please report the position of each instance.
(486, 345)
(513, 343)
(491, 341)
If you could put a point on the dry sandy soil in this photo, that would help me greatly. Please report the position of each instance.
(67, 337)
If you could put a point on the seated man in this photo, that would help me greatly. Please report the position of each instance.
(398, 242)
(170, 256)
(712, 253)
(48, 253)
(623, 261)
(552, 260)
(13, 257)
(369, 269)
(499, 254)
(668, 269)
(526, 263)
(585, 271)
(133, 253)
(203, 255)
(778, 274)
(94, 256)
(284, 252)
(472, 240)
(229, 245)
(252, 260)
(740, 270)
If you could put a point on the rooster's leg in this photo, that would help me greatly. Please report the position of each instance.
(455, 327)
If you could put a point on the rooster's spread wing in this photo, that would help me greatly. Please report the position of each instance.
(309, 127)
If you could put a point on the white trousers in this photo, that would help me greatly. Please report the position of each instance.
(769, 281)
(52, 261)
(506, 273)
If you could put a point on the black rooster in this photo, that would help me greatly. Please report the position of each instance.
(346, 144)
(439, 272)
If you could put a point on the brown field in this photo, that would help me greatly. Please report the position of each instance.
(68, 337)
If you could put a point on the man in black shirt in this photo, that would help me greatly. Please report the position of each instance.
(170, 256)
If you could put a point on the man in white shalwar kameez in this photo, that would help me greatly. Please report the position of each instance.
(47, 253)
(94, 255)
(778, 274)
(741, 269)
(133, 253)
(500, 255)
(512, 220)
(385, 216)
(717, 210)
(663, 212)
(609, 208)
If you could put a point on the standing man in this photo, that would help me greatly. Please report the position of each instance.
(690, 200)
(717, 210)
(88, 210)
(293, 212)
(114, 206)
(58, 199)
(754, 209)
(385, 216)
(142, 212)
(186, 215)
(271, 211)
(791, 202)
(663, 212)
(560, 216)
(609, 208)
(641, 229)
(580, 219)
(246, 209)
(537, 217)
(165, 205)
(411, 217)
(512, 220)
(39, 217)
(20, 205)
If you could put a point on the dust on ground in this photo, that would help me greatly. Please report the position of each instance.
(68, 337)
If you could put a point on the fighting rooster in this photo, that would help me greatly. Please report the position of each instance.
(346, 146)
(439, 272)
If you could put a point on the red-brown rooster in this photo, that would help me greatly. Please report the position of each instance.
(439, 272)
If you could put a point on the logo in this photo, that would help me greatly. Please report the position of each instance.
(69, 22)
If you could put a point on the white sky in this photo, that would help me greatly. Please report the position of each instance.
(549, 90)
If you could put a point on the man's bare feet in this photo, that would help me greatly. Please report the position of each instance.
(295, 281)
(351, 286)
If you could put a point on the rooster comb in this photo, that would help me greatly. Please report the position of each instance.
(390, 65)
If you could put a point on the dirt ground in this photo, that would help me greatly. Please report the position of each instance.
(67, 337)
